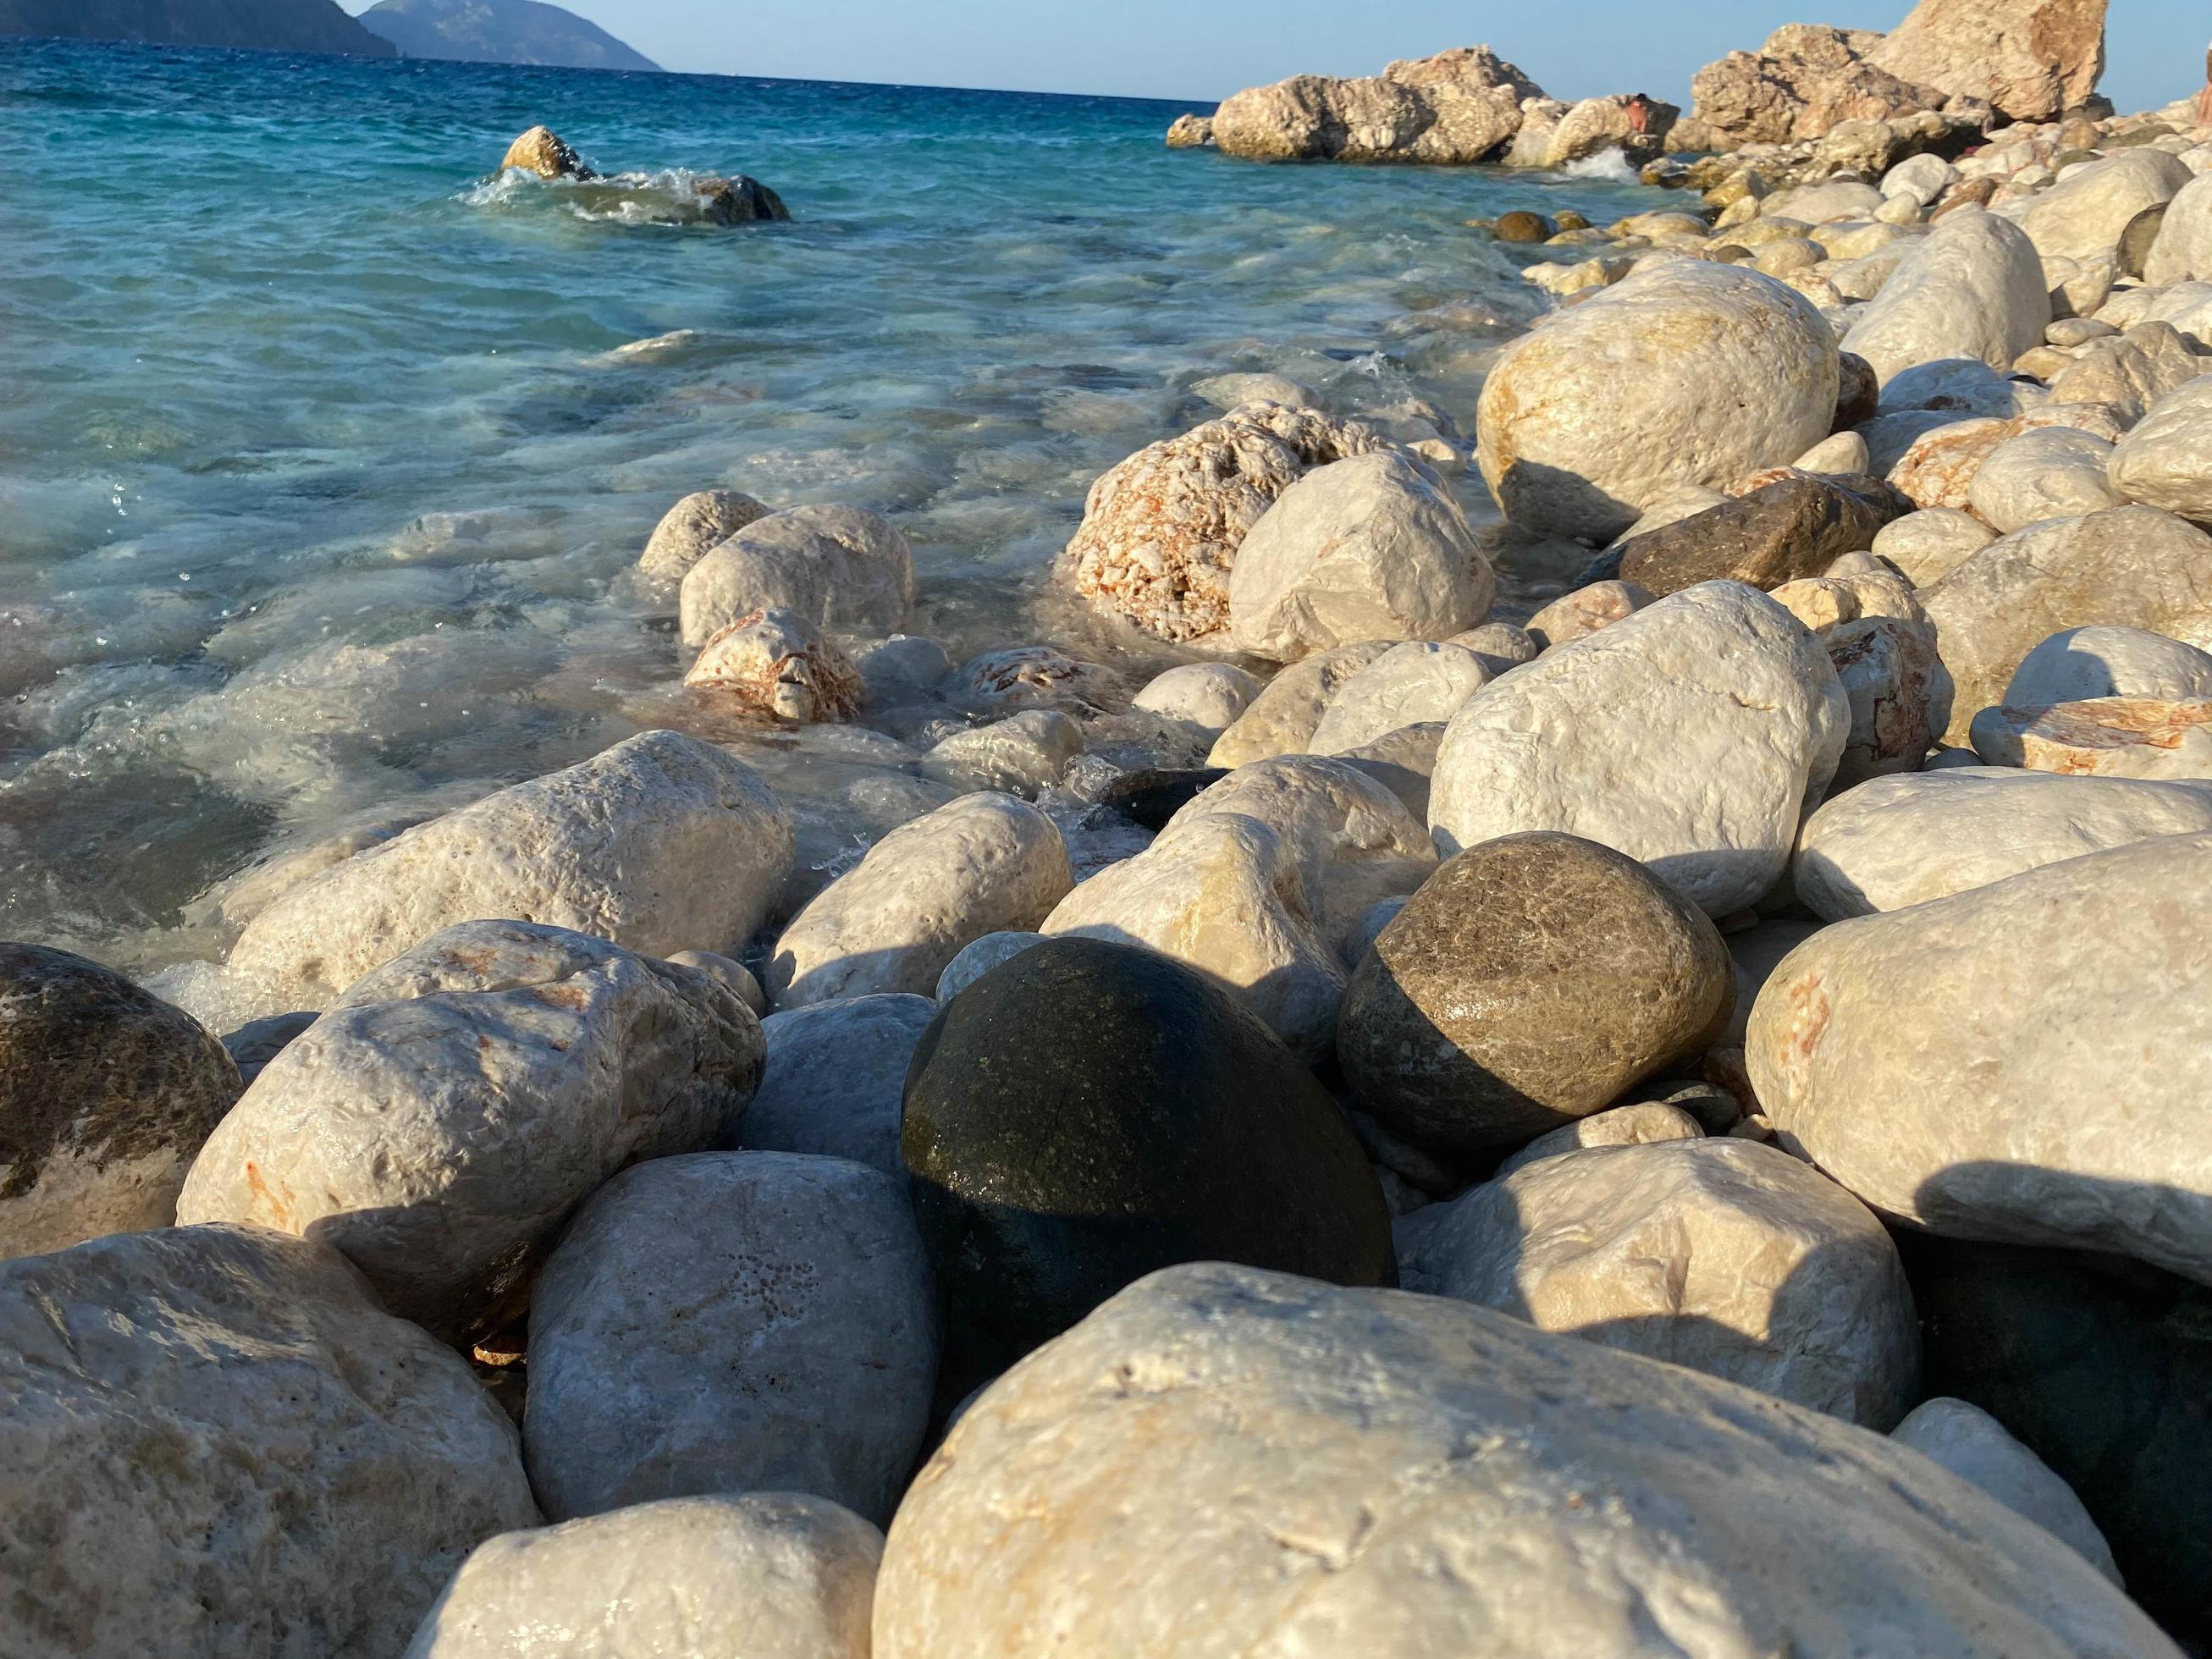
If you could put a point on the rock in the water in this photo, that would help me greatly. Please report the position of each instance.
(1022, 755)
(1726, 1256)
(1211, 695)
(2080, 663)
(1027, 676)
(2028, 1061)
(542, 151)
(1369, 548)
(2084, 214)
(835, 1074)
(661, 844)
(1459, 107)
(763, 1575)
(1693, 736)
(979, 864)
(1408, 685)
(1797, 526)
(2030, 60)
(2102, 737)
(1190, 131)
(777, 661)
(1283, 717)
(1974, 1446)
(1531, 981)
(1734, 372)
(439, 1125)
(1161, 532)
(213, 1441)
(2129, 566)
(107, 1094)
(838, 567)
(1973, 288)
(1303, 1462)
(695, 528)
(2165, 460)
(1091, 1112)
(732, 1322)
(1902, 840)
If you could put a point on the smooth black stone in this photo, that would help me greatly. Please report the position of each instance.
(1088, 1113)
(2103, 1367)
(1153, 796)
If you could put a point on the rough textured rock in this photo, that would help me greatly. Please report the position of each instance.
(1726, 1256)
(1643, 1124)
(2084, 214)
(1739, 724)
(1369, 548)
(1161, 532)
(2026, 1061)
(439, 1125)
(661, 844)
(1973, 288)
(977, 865)
(1899, 691)
(1179, 1130)
(1023, 755)
(2165, 460)
(1459, 107)
(1902, 840)
(2029, 61)
(2129, 566)
(1408, 685)
(838, 567)
(1211, 695)
(1928, 545)
(106, 1094)
(545, 153)
(1974, 1446)
(695, 528)
(776, 662)
(764, 1574)
(2102, 737)
(2081, 663)
(732, 1322)
(1805, 80)
(1190, 131)
(2053, 472)
(835, 1074)
(1733, 372)
(1299, 1460)
(213, 1441)
(1224, 894)
(1027, 676)
(1797, 526)
(2130, 374)
(1630, 124)
(1529, 981)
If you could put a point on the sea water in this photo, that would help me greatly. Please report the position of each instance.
(324, 466)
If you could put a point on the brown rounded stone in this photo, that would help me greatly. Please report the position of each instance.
(1530, 982)
(542, 151)
(1858, 393)
(1794, 527)
(1524, 227)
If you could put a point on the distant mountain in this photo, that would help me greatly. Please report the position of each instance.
(499, 32)
(269, 25)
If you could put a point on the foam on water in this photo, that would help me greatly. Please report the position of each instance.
(329, 455)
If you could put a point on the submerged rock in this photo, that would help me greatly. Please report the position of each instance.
(839, 567)
(777, 662)
(545, 153)
(695, 528)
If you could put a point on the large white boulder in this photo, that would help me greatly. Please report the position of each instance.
(1283, 718)
(1973, 288)
(440, 1123)
(841, 567)
(979, 864)
(695, 528)
(2166, 459)
(1409, 685)
(1691, 736)
(755, 1575)
(1222, 1460)
(1974, 1446)
(2182, 251)
(2080, 663)
(1685, 373)
(2029, 1061)
(2050, 472)
(1209, 694)
(213, 1441)
(2083, 214)
(732, 1321)
(662, 843)
(1726, 1256)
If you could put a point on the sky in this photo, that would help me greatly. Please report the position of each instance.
(1204, 50)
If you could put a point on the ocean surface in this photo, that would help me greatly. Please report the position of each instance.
(322, 472)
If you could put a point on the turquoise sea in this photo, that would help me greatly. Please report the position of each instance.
(322, 469)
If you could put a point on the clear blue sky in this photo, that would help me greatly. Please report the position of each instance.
(1207, 49)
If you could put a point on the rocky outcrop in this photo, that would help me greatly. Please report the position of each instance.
(1806, 79)
(2029, 60)
(256, 25)
(499, 32)
(1459, 107)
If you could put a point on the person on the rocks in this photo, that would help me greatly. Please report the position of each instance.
(2205, 98)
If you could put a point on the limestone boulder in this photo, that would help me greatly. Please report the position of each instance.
(2053, 472)
(834, 1075)
(107, 1094)
(2165, 460)
(1725, 1256)
(732, 1323)
(1367, 548)
(1024, 677)
(841, 567)
(1283, 718)
(1297, 1460)
(1408, 684)
(1974, 1446)
(439, 1124)
(2080, 663)
(1926, 546)
(1579, 614)
(214, 1441)
(2132, 373)
(767, 1575)
(661, 844)
(775, 662)
(976, 866)
(2102, 737)
(2025, 1061)
(1805, 80)
(2084, 214)
(1693, 737)
(1797, 526)
(542, 151)
(1023, 754)
(1733, 372)
(2182, 250)
(1643, 1124)
(1211, 695)
(695, 528)
(2029, 62)
(1973, 288)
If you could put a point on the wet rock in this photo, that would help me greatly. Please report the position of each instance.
(1180, 1130)
(769, 1575)
(983, 864)
(835, 1076)
(905, 669)
(1522, 226)
(777, 662)
(1209, 694)
(1725, 1256)
(1796, 527)
(1974, 1446)
(1151, 798)
(727, 1322)
(1408, 685)
(839, 567)
(2023, 1062)
(1027, 676)
(2102, 737)
(737, 200)
(1023, 755)
(661, 843)
(438, 1126)
(695, 528)
(1645, 1123)
(1741, 723)
(2165, 460)
(1973, 288)
(1233, 1426)
(1283, 718)
(1190, 132)
(174, 1404)
(1529, 983)
(545, 153)
(106, 1094)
